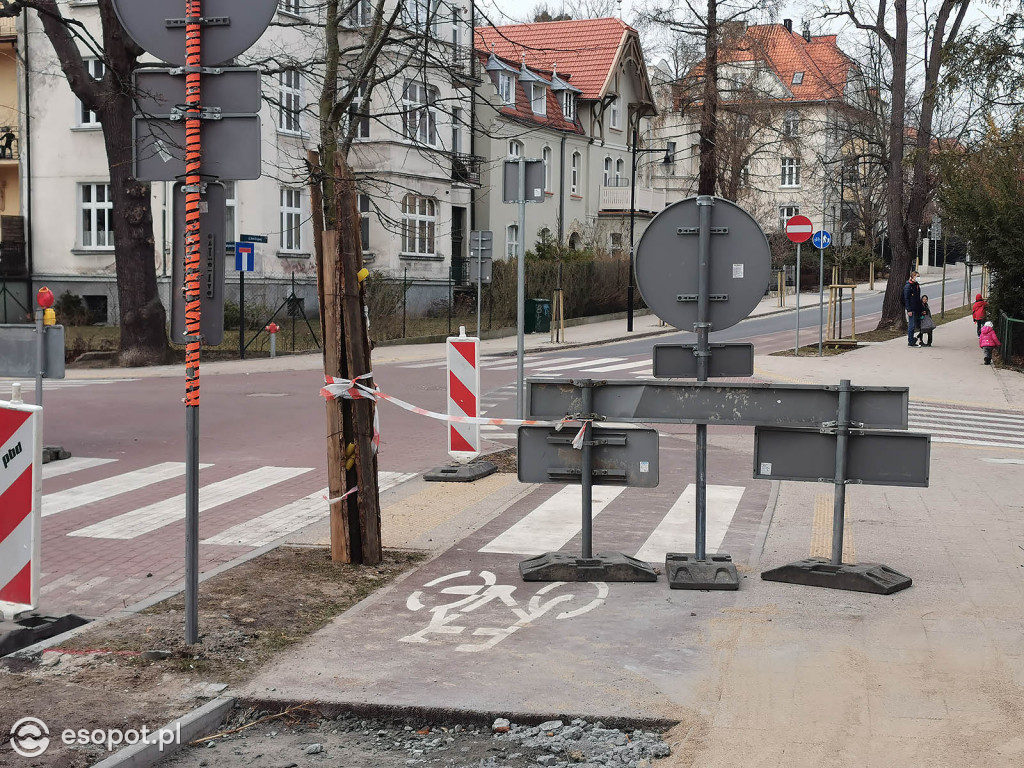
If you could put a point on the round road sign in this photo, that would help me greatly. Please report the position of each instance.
(799, 229)
(667, 264)
(821, 239)
(158, 27)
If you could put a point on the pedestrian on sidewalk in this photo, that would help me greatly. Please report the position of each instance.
(925, 323)
(978, 311)
(988, 340)
(912, 303)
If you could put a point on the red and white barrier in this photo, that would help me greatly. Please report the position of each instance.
(463, 396)
(21, 460)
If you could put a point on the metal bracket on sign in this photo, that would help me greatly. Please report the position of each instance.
(206, 21)
(571, 472)
(693, 297)
(205, 113)
(696, 230)
(192, 70)
(193, 188)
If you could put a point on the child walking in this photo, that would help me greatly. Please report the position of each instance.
(988, 341)
(978, 311)
(925, 323)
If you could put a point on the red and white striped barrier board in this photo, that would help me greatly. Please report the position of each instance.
(463, 396)
(21, 458)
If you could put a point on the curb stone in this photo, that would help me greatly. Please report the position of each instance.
(195, 725)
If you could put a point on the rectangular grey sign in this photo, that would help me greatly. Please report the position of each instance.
(236, 91)
(624, 456)
(742, 403)
(212, 225)
(534, 181)
(231, 149)
(677, 361)
(873, 458)
(18, 351)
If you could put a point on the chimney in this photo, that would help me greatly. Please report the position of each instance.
(788, 24)
(807, 31)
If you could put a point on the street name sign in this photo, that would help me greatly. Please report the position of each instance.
(799, 229)
(679, 361)
(621, 456)
(253, 239)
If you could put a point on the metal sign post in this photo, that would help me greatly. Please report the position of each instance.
(481, 245)
(821, 240)
(799, 230)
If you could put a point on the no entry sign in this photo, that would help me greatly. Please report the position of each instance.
(799, 229)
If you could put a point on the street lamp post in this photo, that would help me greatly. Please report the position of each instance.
(632, 227)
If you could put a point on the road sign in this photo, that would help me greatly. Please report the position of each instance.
(534, 181)
(678, 361)
(21, 446)
(245, 257)
(234, 91)
(741, 403)
(229, 27)
(821, 239)
(19, 350)
(622, 456)
(799, 229)
(231, 149)
(463, 355)
(211, 292)
(872, 458)
(253, 239)
(667, 265)
(481, 251)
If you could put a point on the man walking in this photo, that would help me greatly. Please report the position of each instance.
(912, 303)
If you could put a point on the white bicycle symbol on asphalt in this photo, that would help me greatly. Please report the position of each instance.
(474, 596)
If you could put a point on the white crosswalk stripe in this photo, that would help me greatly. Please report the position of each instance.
(74, 464)
(618, 367)
(162, 513)
(264, 529)
(90, 493)
(677, 530)
(968, 426)
(50, 384)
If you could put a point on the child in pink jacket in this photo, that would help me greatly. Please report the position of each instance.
(988, 340)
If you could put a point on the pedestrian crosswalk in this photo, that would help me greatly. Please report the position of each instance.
(638, 366)
(968, 426)
(52, 384)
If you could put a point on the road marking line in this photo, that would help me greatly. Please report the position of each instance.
(617, 367)
(968, 430)
(551, 525)
(67, 466)
(958, 413)
(601, 361)
(292, 517)
(90, 493)
(163, 513)
(511, 366)
(988, 443)
(677, 530)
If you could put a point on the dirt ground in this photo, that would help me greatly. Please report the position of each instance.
(137, 670)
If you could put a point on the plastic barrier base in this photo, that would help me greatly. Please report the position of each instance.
(685, 571)
(461, 473)
(561, 566)
(853, 577)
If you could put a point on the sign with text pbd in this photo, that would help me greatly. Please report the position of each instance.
(245, 257)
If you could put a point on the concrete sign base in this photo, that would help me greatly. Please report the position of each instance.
(562, 566)
(853, 577)
(461, 473)
(685, 571)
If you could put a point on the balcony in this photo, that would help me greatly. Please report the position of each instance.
(10, 144)
(8, 28)
(614, 199)
(466, 169)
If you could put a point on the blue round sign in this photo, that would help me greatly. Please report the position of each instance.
(821, 239)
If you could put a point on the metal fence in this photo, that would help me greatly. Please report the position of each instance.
(1011, 334)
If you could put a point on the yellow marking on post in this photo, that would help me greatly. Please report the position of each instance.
(821, 531)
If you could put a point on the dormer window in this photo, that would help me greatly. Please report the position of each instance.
(569, 106)
(539, 100)
(616, 113)
(506, 87)
(798, 78)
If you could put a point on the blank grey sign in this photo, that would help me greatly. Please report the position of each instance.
(18, 351)
(677, 361)
(534, 181)
(667, 264)
(231, 149)
(623, 456)
(873, 458)
(236, 91)
(147, 23)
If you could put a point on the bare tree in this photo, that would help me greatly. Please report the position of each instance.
(143, 319)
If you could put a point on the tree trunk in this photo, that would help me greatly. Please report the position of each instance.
(709, 109)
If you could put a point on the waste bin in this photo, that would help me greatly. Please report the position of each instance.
(538, 316)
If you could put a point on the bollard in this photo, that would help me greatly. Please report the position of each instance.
(16, 393)
(272, 329)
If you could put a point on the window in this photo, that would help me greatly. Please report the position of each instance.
(361, 14)
(615, 243)
(456, 29)
(515, 150)
(569, 105)
(86, 117)
(607, 178)
(97, 222)
(419, 218)
(291, 219)
(787, 212)
(620, 172)
(421, 15)
(512, 241)
(791, 124)
(574, 174)
(290, 96)
(419, 117)
(294, 7)
(364, 222)
(359, 113)
(615, 113)
(506, 88)
(670, 151)
(546, 156)
(539, 102)
(457, 130)
(798, 78)
(230, 214)
(790, 172)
